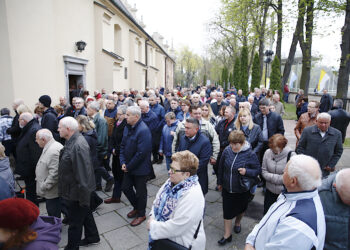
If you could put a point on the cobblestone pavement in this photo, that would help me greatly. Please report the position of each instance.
(116, 233)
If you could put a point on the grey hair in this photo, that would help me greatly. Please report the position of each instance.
(306, 180)
(219, 93)
(18, 102)
(27, 116)
(233, 110)
(44, 134)
(95, 105)
(170, 115)
(144, 103)
(338, 103)
(153, 96)
(342, 178)
(324, 115)
(250, 97)
(79, 99)
(134, 110)
(193, 121)
(123, 109)
(69, 122)
(301, 91)
(195, 94)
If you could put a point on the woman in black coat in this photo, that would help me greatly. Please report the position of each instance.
(116, 140)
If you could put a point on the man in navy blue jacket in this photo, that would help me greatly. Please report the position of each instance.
(135, 159)
(160, 112)
(199, 145)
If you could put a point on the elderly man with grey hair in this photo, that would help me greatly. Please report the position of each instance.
(101, 128)
(47, 171)
(279, 108)
(76, 182)
(340, 117)
(335, 198)
(322, 142)
(296, 220)
(135, 159)
(28, 152)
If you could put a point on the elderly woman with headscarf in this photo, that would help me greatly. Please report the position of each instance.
(177, 211)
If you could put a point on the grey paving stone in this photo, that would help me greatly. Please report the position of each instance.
(109, 221)
(212, 196)
(140, 230)
(152, 189)
(106, 208)
(103, 245)
(122, 238)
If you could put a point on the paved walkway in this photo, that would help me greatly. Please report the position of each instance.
(116, 233)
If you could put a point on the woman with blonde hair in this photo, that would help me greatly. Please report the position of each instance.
(23, 108)
(252, 131)
(207, 114)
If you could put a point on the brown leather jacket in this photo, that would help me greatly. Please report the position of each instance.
(304, 121)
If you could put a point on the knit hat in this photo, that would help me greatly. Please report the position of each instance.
(45, 100)
(17, 213)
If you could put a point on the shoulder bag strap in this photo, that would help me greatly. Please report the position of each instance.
(195, 234)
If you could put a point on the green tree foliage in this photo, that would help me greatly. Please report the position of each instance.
(244, 70)
(256, 75)
(230, 80)
(237, 74)
(224, 77)
(275, 77)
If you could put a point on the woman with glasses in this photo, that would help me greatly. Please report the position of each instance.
(184, 113)
(178, 208)
(207, 114)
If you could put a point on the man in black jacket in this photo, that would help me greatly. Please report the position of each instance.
(49, 119)
(28, 152)
(15, 129)
(270, 123)
(216, 106)
(340, 118)
(76, 181)
(326, 101)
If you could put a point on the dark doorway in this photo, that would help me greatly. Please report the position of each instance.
(76, 86)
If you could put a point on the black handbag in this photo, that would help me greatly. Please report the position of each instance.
(247, 182)
(166, 244)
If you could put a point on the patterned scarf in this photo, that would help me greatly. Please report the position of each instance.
(167, 200)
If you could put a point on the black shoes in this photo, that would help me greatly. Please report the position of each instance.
(85, 242)
(237, 229)
(109, 185)
(223, 241)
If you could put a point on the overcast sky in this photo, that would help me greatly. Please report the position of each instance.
(184, 23)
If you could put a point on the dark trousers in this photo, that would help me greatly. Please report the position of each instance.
(137, 199)
(100, 173)
(78, 217)
(270, 198)
(216, 166)
(30, 183)
(118, 174)
(53, 207)
(155, 146)
(8, 144)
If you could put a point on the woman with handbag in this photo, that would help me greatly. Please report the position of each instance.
(239, 166)
(274, 162)
(176, 217)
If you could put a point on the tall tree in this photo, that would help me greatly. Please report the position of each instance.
(256, 76)
(237, 74)
(230, 79)
(224, 77)
(244, 70)
(275, 76)
(344, 68)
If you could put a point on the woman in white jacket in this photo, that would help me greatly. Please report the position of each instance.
(274, 162)
(178, 208)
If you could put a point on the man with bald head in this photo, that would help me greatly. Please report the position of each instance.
(28, 152)
(296, 220)
(335, 198)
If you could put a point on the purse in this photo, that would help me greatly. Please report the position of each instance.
(247, 182)
(166, 244)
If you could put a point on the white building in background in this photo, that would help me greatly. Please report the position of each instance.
(39, 53)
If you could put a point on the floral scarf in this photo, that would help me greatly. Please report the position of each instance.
(167, 200)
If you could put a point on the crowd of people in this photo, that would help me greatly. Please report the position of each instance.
(63, 152)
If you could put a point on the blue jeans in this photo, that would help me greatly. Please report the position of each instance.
(168, 162)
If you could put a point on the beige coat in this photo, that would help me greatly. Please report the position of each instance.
(47, 170)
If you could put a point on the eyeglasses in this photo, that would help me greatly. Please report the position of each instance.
(173, 170)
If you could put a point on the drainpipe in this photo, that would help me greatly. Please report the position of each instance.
(146, 63)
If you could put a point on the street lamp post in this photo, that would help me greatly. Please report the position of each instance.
(268, 59)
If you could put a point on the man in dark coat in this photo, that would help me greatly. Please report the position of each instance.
(254, 109)
(28, 152)
(199, 145)
(135, 159)
(216, 106)
(270, 123)
(322, 142)
(49, 119)
(340, 118)
(15, 129)
(76, 182)
(326, 102)
(335, 197)
(79, 107)
(160, 112)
